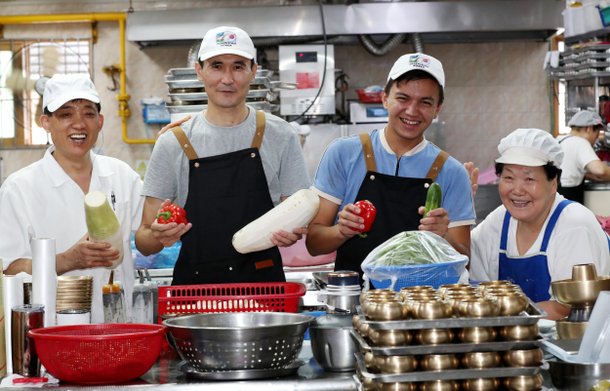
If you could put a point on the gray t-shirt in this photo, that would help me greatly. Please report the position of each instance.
(167, 174)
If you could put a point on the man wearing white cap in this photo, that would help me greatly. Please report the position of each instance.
(46, 198)
(227, 165)
(536, 235)
(580, 159)
(392, 167)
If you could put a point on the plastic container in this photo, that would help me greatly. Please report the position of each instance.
(98, 353)
(368, 96)
(435, 274)
(237, 297)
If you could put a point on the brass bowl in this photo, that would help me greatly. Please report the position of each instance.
(511, 303)
(439, 362)
(524, 383)
(584, 271)
(440, 385)
(519, 332)
(488, 284)
(396, 364)
(478, 360)
(579, 293)
(478, 308)
(477, 334)
(523, 357)
(397, 386)
(570, 330)
(390, 337)
(370, 361)
(385, 310)
(434, 336)
(431, 309)
(481, 384)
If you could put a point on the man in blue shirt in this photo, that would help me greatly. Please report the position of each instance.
(392, 167)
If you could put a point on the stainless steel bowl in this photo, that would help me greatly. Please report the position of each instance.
(331, 343)
(574, 376)
(237, 341)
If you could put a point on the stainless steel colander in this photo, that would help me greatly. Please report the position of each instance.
(236, 341)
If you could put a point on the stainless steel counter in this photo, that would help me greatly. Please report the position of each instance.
(166, 373)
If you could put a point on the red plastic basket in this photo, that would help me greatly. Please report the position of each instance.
(368, 97)
(98, 353)
(238, 297)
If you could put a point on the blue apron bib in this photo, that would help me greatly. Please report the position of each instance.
(531, 273)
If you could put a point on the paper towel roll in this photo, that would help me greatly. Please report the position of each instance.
(44, 277)
(12, 293)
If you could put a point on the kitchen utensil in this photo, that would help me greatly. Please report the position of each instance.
(23, 319)
(331, 342)
(235, 341)
(584, 272)
(235, 297)
(577, 376)
(524, 382)
(570, 330)
(98, 353)
(242, 374)
(580, 295)
(113, 299)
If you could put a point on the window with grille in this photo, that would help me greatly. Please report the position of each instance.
(22, 64)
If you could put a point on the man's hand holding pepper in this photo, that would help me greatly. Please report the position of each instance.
(168, 233)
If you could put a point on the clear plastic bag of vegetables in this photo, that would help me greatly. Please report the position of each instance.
(412, 258)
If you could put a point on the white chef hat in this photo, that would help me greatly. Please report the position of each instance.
(530, 147)
(63, 88)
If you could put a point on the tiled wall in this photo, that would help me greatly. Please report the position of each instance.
(492, 88)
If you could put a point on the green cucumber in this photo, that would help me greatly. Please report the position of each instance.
(433, 198)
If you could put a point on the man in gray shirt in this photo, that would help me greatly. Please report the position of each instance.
(227, 166)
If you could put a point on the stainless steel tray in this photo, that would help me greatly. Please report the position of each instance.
(496, 346)
(528, 317)
(447, 374)
(242, 374)
(189, 73)
(182, 109)
(202, 96)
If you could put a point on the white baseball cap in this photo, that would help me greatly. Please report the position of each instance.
(226, 40)
(418, 61)
(63, 88)
(530, 147)
(586, 118)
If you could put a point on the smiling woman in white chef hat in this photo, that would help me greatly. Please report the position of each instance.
(536, 235)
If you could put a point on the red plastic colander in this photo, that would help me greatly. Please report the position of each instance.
(98, 353)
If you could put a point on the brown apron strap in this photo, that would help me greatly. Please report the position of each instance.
(257, 140)
(185, 144)
(441, 158)
(367, 148)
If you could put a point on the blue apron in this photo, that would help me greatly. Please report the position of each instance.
(531, 273)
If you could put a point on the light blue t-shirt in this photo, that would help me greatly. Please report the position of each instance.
(342, 170)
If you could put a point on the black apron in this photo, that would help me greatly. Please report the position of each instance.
(225, 193)
(396, 199)
(575, 193)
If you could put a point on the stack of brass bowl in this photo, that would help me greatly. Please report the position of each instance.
(74, 293)
(580, 293)
(408, 337)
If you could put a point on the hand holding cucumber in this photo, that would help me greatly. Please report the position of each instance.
(435, 218)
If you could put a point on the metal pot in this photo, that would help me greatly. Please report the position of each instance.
(575, 376)
(331, 343)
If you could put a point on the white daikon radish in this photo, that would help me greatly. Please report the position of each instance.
(102, 223)
(295, 211)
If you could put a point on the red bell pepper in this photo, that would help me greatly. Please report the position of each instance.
(172, 213)
(368, 213)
